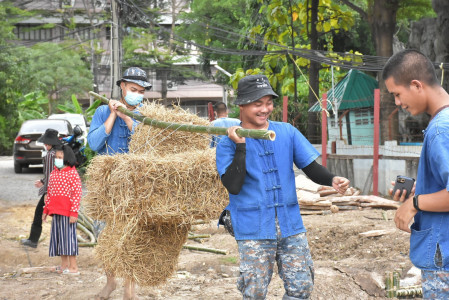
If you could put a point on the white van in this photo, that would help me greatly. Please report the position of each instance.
(74, 119)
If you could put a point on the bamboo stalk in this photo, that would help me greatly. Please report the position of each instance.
(251, 133)
(216, 251)
(86, 231)
(198, 236)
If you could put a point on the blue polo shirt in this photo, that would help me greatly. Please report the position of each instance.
(432, 228)
(116, 141)
(269, 187)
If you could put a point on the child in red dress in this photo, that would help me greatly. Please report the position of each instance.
(62, 202)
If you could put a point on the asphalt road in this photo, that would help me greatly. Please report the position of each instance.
(18, 189)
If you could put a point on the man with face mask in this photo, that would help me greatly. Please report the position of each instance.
(110, 132)
(110, 129)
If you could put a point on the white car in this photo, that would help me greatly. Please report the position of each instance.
(74, 119)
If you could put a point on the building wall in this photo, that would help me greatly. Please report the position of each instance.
(361, 125)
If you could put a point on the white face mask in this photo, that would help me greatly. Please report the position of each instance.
(133, 98)
(59, 163)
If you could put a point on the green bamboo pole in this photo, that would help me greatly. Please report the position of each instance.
(251, 133)
(211, 250)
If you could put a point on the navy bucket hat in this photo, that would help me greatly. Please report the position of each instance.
(253, 87)
(137, 76)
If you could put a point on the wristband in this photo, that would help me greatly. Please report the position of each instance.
(415, 202)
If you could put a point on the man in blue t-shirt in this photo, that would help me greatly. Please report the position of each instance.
(410, 77)
(222, 120)
(263, 206)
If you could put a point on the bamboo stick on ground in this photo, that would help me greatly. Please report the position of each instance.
(198, 236)
(216, 251)
(86, 231)
(251, 133)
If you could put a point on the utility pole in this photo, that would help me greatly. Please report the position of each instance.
(115, 60)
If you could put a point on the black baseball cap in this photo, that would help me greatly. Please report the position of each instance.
(253, 87)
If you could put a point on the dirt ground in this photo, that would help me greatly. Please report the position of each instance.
(347, 266)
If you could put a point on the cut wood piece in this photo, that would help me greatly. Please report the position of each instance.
(356, 192)
(334, 209)
(304, 183)
(366, 201)
(36, 270)
(349, 207)
(315, 212)
(379, 232)
(307, 196)
(345, 203)
(325, 188)
(313, 207)
(315, 203)
(324, 193)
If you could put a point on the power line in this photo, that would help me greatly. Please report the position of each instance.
(362, 62)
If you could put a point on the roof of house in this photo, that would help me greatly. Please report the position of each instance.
(355, 90)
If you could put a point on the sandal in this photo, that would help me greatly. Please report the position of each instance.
(56, 269)
(68, 272)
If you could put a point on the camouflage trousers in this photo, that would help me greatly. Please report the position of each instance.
(435, 284)
(293, 259)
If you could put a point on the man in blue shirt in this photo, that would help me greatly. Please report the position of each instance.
(110, 132)
(410, 77)
(222, 120)
(263, 205)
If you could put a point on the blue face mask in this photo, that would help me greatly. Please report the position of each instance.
(133, 99)
(59, 163)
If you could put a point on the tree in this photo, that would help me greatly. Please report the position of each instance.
(223, 25)
(13, 76)
(156, 48)
(61, 76)
(294, 24)
(382, 17)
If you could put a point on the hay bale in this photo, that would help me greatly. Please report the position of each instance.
(150, 196)
(159, 142)
(177, 188)
(147, 254)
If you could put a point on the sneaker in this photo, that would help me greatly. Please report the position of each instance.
(27, 242)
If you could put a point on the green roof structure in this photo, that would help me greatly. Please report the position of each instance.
(355, 90)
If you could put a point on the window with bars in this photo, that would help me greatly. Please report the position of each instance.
(363, 117)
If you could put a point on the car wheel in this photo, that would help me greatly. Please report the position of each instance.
(17, 168)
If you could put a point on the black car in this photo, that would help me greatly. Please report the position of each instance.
(27, 151)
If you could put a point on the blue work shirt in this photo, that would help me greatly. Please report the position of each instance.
(432, 228)
(269, 187)
(222, 122)
(116, 141)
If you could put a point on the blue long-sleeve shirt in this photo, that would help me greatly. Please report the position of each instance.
(116, 141)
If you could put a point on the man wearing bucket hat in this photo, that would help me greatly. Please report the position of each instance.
(263, 206)
(110, 132)
(49, 139)
(110, 129)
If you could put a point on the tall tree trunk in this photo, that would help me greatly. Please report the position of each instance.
(313, 124)
(441, 7)
(382, 19)
(164, 78)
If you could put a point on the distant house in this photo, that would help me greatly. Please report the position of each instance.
(353, 99)
(191, 94)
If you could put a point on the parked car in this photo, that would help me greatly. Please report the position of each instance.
(27, 151)
(74, 119)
